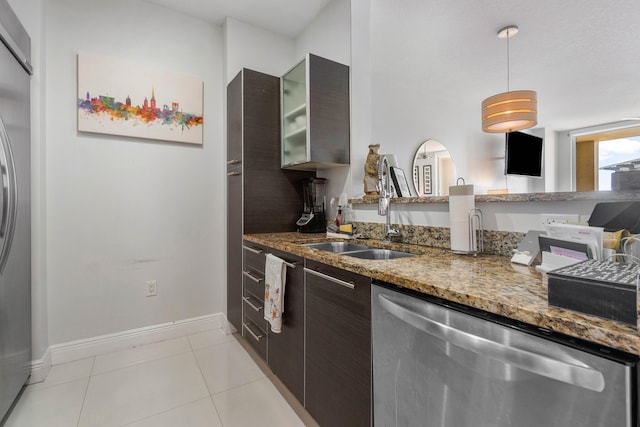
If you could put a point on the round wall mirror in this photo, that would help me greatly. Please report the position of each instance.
(433, 169)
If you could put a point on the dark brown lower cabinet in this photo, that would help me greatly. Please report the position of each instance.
(285, 351)
(338, 346)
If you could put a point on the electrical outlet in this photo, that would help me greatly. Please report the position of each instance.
(152, 288)
(559, 218)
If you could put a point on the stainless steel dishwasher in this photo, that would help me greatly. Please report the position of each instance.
(439, 364)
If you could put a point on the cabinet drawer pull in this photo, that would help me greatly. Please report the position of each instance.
(252, 305)
(250, 249)
(233, 162)
(349, 285)
(235, 173)
(252, 277)
(253, 334)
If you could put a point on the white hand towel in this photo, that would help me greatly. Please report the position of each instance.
(275, 276)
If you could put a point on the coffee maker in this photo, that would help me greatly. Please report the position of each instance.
(313, 219)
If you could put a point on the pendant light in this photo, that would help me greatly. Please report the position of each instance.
(511, 110)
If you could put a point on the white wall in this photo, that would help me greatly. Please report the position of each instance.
(247, 46)
(504, 216)
(329, 35)
(123, 211)
(361, 93)
(551, 161)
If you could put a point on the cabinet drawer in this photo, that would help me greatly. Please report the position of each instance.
(253, 283)
(254, 311)
(256, 337)
(254, 257)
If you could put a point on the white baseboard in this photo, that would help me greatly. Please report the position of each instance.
(81, 349)
(40, 368)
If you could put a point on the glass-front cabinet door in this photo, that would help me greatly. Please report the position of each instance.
(294, 116)
(315, 115)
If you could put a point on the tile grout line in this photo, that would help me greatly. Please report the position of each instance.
(215, 408)
(211, 395)
(86, 390)
(93, 365)
(140, 362)
(201, 373)
(92, 374)
(167, 410)
(240, 386)
(189, 342)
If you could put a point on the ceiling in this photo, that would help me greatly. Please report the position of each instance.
(285, 17)
(580, 55)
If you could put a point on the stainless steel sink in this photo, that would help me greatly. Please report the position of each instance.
(378, 254)
(358, 251)
(336, 247)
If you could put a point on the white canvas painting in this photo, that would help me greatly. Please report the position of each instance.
(118, 97)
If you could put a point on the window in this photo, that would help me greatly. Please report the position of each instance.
(604, 150)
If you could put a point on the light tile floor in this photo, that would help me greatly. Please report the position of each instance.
(204, 380)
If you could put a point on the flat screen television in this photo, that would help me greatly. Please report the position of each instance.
(523, 155)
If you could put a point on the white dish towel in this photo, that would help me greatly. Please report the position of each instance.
(275, 277)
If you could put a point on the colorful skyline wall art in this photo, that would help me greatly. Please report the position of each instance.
(118, 97)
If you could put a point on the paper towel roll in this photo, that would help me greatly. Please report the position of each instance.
(461, 201)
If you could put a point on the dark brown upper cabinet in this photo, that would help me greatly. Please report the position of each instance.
(315, 115)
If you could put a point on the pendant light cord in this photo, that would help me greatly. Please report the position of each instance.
(508, 61)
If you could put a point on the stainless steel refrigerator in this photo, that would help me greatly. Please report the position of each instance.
(15, 208)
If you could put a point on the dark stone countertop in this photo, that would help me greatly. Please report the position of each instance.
(487, 282)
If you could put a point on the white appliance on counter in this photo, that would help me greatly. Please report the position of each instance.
(437, 364)
(15, 213)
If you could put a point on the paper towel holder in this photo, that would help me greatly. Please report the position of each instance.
(463, 218)
(476, 241)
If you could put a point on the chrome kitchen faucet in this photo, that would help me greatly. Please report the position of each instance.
(384, 202)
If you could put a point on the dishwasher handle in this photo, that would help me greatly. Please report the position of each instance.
(570, 373)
